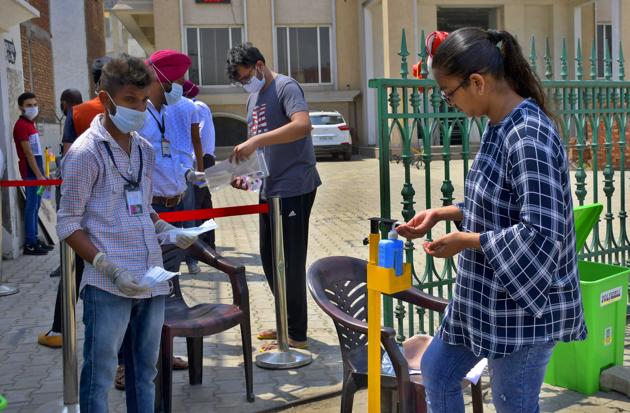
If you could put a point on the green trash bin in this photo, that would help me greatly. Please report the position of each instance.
(3, 403)
(577, 365)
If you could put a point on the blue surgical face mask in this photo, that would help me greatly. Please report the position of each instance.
(175, 94)
(126, 120)
(254, 84)
(31, 112)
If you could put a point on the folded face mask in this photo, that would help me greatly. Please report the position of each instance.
(170, 237)
(156, 275)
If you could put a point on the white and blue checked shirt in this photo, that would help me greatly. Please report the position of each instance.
(179, 119)
(93, 200)
(522, 287)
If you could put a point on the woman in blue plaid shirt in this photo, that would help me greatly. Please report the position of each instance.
(517, 288)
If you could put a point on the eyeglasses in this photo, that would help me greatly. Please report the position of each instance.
(448, 96)
(245, 79)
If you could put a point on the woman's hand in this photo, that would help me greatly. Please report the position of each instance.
(451, 244)
(419, 225)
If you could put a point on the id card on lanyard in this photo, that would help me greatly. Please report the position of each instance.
(133, 196)
(166, 144)
(133, 190)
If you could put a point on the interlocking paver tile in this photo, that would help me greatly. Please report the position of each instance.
(31, 375)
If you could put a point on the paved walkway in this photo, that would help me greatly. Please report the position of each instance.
(31, 375)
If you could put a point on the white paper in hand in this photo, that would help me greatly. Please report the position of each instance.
(169, 237)
(475, 373)
(156, 275)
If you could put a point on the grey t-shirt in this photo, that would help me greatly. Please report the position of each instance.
(292, 170)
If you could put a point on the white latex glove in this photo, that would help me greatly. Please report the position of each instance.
(183, 241)
(195, 177)
(122, 279)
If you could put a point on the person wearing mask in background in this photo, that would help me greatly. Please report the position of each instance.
(106, 217)
(171, 173)
(31, 164)
(203, 198)
(68, 99)
(181, 118)
(83, 114)
(78, 119)
(279, 126)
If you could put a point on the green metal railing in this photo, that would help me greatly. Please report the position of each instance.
(592, 118)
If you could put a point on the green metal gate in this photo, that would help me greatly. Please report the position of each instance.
(593, 120)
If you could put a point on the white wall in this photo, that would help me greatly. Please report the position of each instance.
(11, 86)
(71, 68)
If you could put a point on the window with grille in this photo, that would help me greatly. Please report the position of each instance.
(208, 49)
(304, 53)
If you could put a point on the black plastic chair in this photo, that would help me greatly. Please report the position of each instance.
(201, 321)
(338, 285)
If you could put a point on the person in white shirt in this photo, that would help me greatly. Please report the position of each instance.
(203, 199)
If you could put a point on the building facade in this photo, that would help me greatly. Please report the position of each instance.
(333, 47)
(48, 47)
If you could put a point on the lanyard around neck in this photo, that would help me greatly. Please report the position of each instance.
(132, 182)
(161, 126)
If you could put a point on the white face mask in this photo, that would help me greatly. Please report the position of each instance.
(126, 120)
(175, 94)
(254, 84)
(31, 112)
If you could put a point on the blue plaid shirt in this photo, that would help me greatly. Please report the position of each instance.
(522, 287)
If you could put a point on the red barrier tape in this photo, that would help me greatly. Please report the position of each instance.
(31, 182)
(167, 216)
(214, 213)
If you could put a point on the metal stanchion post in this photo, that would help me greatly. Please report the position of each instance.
(69, 299)
(4, 289)
(283, 357)
(70, 402)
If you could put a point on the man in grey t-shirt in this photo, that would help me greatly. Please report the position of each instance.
(279, 126)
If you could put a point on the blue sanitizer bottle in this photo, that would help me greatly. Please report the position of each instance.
(390, 253)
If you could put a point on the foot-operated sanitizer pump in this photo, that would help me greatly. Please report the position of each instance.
(386, 274)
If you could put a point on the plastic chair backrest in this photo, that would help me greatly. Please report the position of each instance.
(585, 218)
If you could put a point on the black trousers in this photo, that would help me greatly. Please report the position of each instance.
(296, 212)
(203, 200)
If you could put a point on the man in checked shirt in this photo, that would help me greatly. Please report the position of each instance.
(106, 217)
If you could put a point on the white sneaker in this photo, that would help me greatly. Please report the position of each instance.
(194, 268)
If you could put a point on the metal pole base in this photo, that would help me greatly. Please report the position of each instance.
(57, 406)
(278, 360)
(6, 290)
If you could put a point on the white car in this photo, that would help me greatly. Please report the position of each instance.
(331, 135)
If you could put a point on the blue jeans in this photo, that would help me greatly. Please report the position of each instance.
(515, 379)
(31, 209)
(105, 317)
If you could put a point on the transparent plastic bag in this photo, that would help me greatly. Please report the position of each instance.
(223, 173)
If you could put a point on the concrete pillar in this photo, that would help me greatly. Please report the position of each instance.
(515, 15)
(11, 86)
(168, 33)
(562, 16)
(427, 18)
(624, 32)
(397, 15)
(260, 28)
